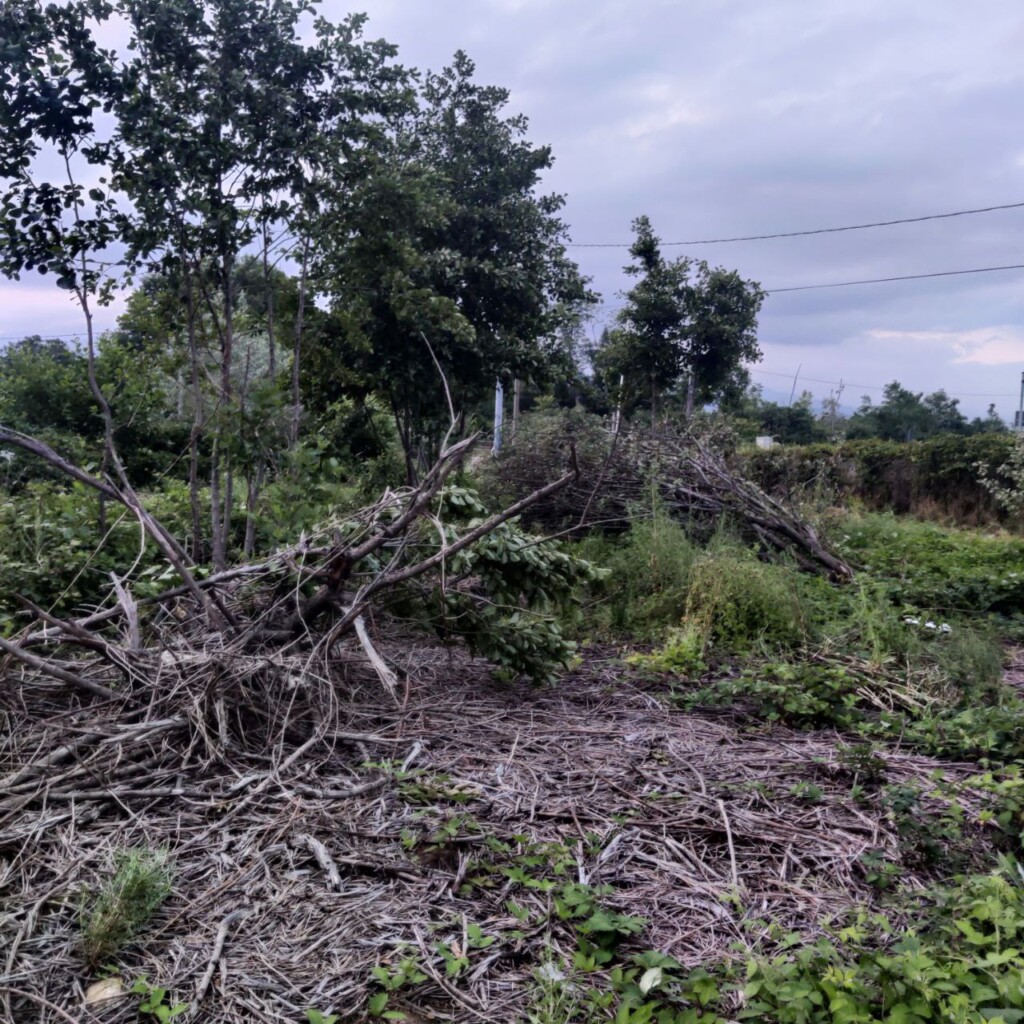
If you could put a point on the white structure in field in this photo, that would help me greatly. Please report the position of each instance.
(764, 441)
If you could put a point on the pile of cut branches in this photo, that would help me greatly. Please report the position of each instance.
(200, 701)
(686, 474)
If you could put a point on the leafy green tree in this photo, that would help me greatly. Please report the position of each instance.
(441, 253)
(903, 415)
(787, 424)
(681, 320)
(43, 387)
(991, 423)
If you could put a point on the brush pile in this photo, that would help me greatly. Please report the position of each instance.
(335, 796)
(623, 472)
(319, 831)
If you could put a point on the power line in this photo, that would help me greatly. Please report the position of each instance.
(902, 277)
(769, 290)
(47, 335)
(879, 387)
(814, 231)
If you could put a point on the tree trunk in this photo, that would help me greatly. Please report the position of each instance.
(197, 429)
(219, 553)
(691, 389)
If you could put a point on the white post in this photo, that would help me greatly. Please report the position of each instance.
(499, 415)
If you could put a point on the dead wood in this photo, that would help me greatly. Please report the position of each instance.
(694, 482)
(672, 811)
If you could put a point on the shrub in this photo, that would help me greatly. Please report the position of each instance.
(648, 577)
(125, 903)
(940, 474)
(740, 603)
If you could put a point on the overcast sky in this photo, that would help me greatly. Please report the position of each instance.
(721, 118)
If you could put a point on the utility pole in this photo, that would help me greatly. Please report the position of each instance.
(1019, 424)
(517, 394)
(795, 376)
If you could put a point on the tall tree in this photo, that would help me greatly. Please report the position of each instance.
(682, 319)
(442, 253)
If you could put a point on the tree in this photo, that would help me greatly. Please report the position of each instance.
(43, 388)
(788, 424)
(682, 319)
(441, 253)
(903, 415)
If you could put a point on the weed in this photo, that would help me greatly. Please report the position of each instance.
(682, 655)
(406, 973)
(862, 761)
(805, 695)
(807, 792)
(927, 837)
(154, 1001)
(649, 574)
(554, 998)
(125, 903)
(965, 965)
(598, 929)
(742, 604)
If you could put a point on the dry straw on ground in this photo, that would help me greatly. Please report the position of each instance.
(304, 811)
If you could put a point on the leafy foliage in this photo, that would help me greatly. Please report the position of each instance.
(519, 582)
(680, 319)
(964, 965)
(934, 477)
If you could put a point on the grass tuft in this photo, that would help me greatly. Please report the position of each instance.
(125, 903)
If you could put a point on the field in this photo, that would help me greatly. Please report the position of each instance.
(754, 794)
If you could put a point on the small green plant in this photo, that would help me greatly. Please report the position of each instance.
(682, 655)
(154, 1001)
(125, 903)
(927, 836)
(807, 695)
(554, 998)
(862, 761)
(599, 930)
(317, 1017)
(405, 973)
(807, 792)
(879, 871)
(963, 965)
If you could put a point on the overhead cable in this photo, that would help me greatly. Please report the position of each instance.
(813, 231)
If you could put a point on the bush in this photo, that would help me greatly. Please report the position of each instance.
(939, 475)
(739, 603)
(54, 552)
(648, 577)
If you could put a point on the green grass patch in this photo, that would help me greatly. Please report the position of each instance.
(125, 903)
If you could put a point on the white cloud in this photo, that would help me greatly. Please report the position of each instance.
(985, 346)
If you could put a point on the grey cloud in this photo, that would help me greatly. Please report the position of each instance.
(727, 117)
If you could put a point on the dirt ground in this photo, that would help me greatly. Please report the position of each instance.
(298, 868)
